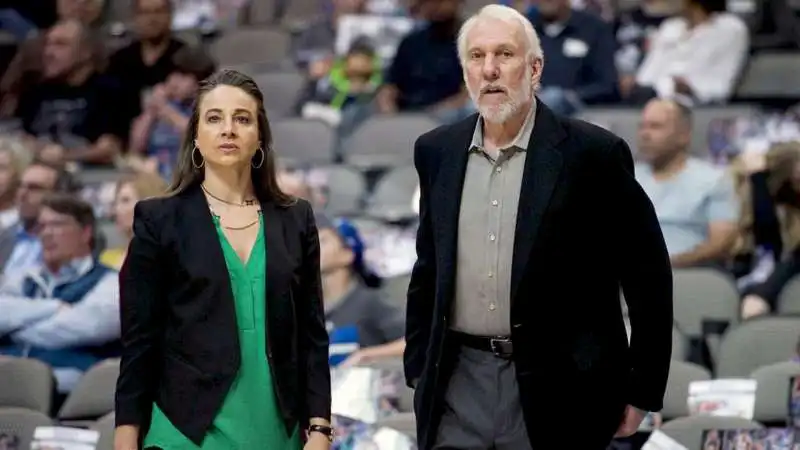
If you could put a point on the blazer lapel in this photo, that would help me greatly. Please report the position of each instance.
(205, 248)
(447, 200)
(542, 169)
(276, 250)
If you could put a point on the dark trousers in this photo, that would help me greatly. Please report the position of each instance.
(482, 410)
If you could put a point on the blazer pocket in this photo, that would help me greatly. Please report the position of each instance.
(178, 369)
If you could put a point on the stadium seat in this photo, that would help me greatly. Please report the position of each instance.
(771, 75)
(386, 141)
(402, 422)
(93, 397)
(249, 45)
(681, 374)
(772, 392)
(26, 383)
(105, 426)
(21, 423)
(301, 142)
(281, 89)
(756, 343)
(346, 190)
(688, 431)
(789, 298)
(391, 200)
(704, 297)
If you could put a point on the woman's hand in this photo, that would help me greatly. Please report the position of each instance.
(316, 441)
(126, 437)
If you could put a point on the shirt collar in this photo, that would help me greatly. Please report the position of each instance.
(520, 142)
(70, 271)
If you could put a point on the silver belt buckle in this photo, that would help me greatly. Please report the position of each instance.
(500, 346)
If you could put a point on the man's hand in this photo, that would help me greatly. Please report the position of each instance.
(631, 420)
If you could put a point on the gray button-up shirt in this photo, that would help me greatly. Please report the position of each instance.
(486, 226)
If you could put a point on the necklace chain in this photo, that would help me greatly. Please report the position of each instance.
(248, 202)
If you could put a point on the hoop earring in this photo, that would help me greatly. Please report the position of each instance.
(260, 163)
(194, 163)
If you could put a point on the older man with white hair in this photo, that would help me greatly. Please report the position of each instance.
(528, 218)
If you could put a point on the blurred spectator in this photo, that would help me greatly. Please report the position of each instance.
(425, 74)
(293, 183)
(695, 201)
(769, 188)
(148, 60)
(74, 105)
(156, 135)
(27, 66)
(773, 219)
(314, 47)
(699, 55)
(353, 80)
(129, 191)
(580, 47)
(66, 308)
(363, 326)
(634, 29)
(20, 248)
(16, 24)
(11, 167)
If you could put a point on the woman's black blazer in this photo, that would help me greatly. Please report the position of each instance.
(179, 333)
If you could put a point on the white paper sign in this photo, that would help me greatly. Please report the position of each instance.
(660, 441)
(726, 398)
(64, 438)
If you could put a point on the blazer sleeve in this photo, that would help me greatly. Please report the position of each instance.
(142, 291)
(421, 288)
(313, 340)
(646, 277)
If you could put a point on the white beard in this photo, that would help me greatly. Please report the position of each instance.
(502, 112)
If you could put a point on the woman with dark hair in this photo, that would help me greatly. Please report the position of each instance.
(223, 331)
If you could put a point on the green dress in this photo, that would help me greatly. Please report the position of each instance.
(249, 417)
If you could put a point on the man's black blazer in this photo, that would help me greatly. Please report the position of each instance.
(584, 229)
(179, 333)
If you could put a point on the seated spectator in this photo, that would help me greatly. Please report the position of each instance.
(769, 227)
(74, 106)
(425, 75)
(26, 68)
(362, 325)
(65, 310)
(157, 133)
(634, 30)
(315, 45)
(353, 80)
(129, 191)
(148, 60)
(695, 201)
(699, 55)
(579, 48)
(20, 248)
(11, 167)
(775, 209)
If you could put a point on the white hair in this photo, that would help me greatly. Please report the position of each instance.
(506, 15)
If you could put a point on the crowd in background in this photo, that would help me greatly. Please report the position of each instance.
(74, 100)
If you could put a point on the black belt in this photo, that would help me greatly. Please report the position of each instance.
(500, 346)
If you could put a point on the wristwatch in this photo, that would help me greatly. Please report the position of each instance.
(327, 431)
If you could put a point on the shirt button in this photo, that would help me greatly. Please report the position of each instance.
(490, 274)
(492, 237)
(498, 170)
(495, 202)
(492, 307)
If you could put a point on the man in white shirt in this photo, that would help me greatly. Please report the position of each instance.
(698, 54)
